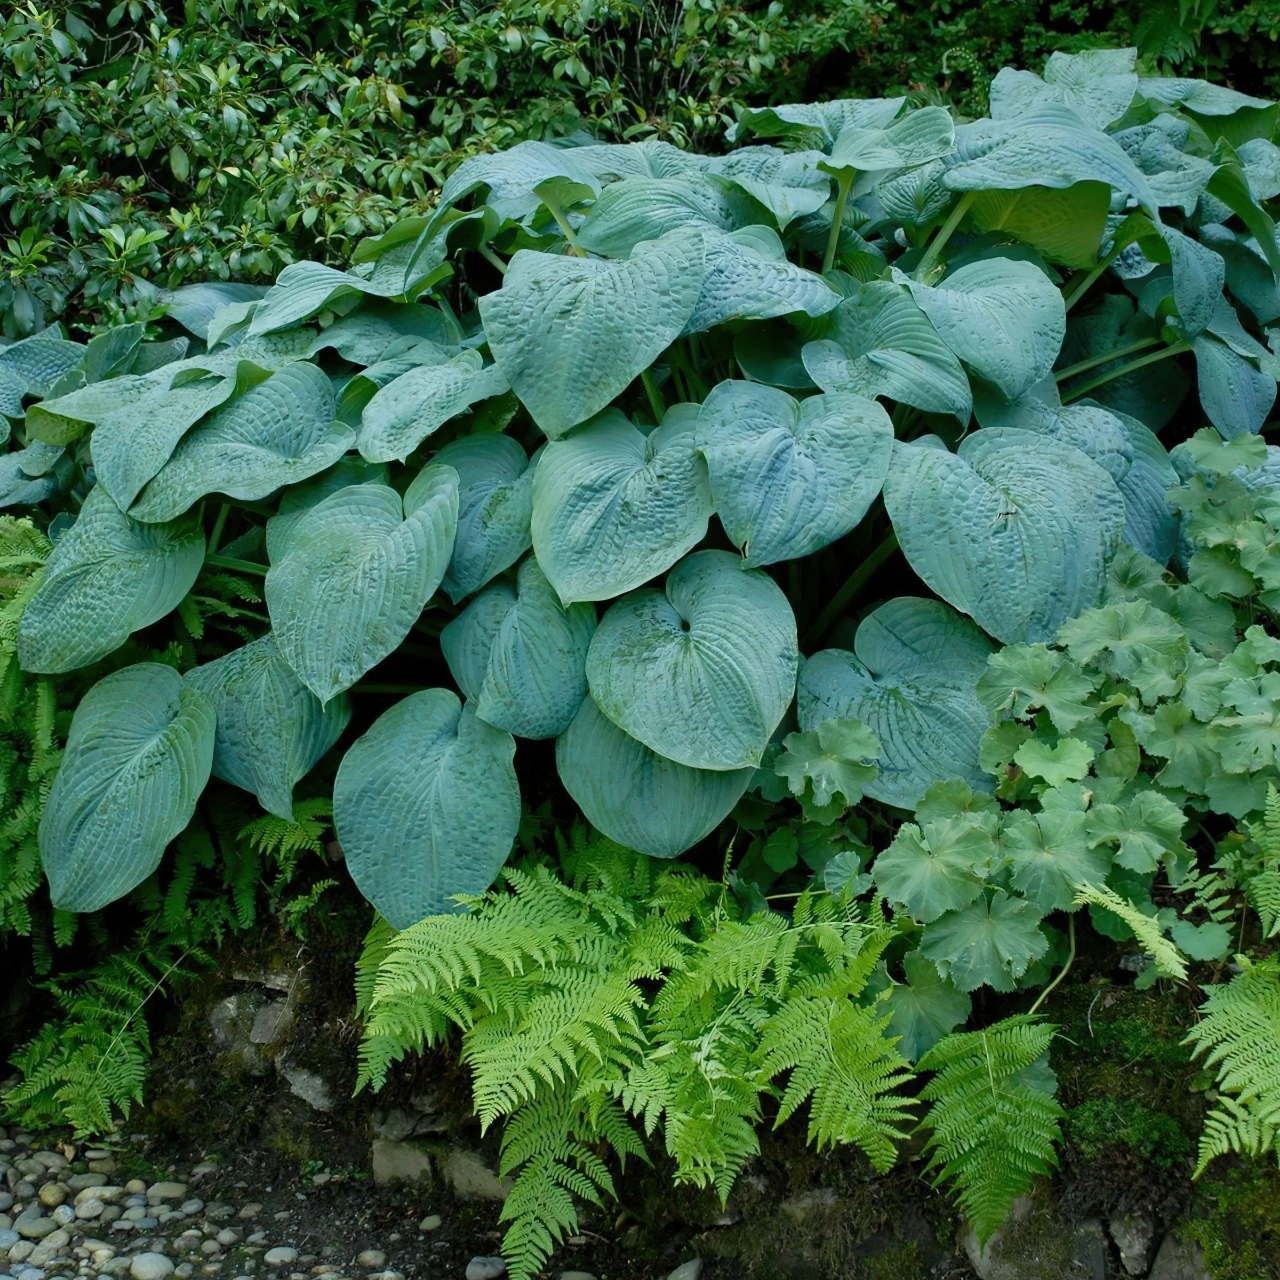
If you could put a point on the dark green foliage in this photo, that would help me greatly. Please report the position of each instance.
(1154, 1137)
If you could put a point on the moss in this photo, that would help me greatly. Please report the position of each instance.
(1236, 1221)
(1154, 1137)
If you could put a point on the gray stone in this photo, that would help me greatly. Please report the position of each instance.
(35, 1228)
(63, 1215)
(150, 1266)
(687, 1270)
(231, 1021)
(374, 1259)
(1089, 1249)
(192, 1206)
(159, 1192)
(399, 1162)
(1135, 1237)
(227, 1237)
(310, 1086)
(271, 1023)
(486, 1269)
(79, 1181)
(52, 1194)
(8, 1239)
(251, 1210)
(386, 1275)
(394, 1125)
(280, 1257)
(471, 1178)
(1178, 1261)
(204, 1167)
(6, 1201)
(432, 1222)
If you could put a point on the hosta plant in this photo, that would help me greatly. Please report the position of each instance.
(813, 499)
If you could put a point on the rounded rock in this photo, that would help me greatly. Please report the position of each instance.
(280, 1257)
(432, 1222)
(374, 1259)
(8, 1239)
(91, 1208)
(486, 1269)
(159, 1192)
(136, 1187)
(52, 1194)
(691, 1270)
(576, 1275)
(150, 1266)
(35, 1228)
(63, 1215)
(191, 1206)
(227, 1237)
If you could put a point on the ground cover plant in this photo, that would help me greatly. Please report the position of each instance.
(861, 546)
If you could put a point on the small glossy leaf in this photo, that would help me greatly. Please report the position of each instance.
(137, 757)
(426, 806)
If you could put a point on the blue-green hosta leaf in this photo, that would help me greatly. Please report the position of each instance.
(194, 305)
(936, 870)
(280, 432)
(32, 474)
(992, 942)
(748, 277)
(299, 499)
(613, 508)
(363, 336)
(271, 727)
(1099, 84)
(535, 673)
(881, 344)
(1065, 225)
(915, 196)
(638, 209)
(467, 641)
(40, 360)
(652, 158)
(570, 334)
(360, 388)
(924, 1008)
(1049, 145)
(137, 757)
(1200, 96)
(1004, 319)
(355, 573)
(814, 124)
(789, 476)
(788, 184)
(1236, 396)
(916, 138)
(1015, 530)
(1051, 857)
(837, 758)
(512, 174)
(426, 806)
(304, 288)
(401, 415)
(1261, 160)
(703, 672)
(108, 577)
(637, 797)
(1198, 277)
(495, 505)
(910, 679)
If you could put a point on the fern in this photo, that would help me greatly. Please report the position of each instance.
(1239, 1034)
(1262, 886)
(1169, 961)
(994, 1120)
(617, 989)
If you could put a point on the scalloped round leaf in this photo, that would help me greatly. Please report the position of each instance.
(271, 728)
(108, 576)
(613, 508)
(495, 505)
(1004, 319)
(992, 942)
(702, 672)
(1016, 529)
(1050, 857)
(426, 806)
(355, 573)
(911, 680)
(280, 432)
(789, 477)
(570, 334)
(401, 415)
(467, 641)
(536, 674)
(880, 343)
(137, 758)
(924, 1008)
(637, 797)
(933, 871)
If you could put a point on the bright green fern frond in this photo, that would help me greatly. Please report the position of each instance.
(284, 842)
(1263, 886)
(994, 1120)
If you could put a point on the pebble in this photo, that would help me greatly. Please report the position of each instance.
(250, 1211)
(91, 1208)
(687, 1270)
(374, 1259)
(432, 1222)
(52, 1194)
(386, 1275)
(8, 1239)
(136, 1187)
(227, 1237)
(203, 1168)
(63, 1215)
(159, 1192)
(80, 1181)
(486, 1269)
(150, 1266)
(192, 1206)
(576, 1275)
(6, 1201)
(35, 1228)
(280, 1257)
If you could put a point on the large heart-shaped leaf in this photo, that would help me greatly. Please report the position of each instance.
(1004, 319)
(703, 672)
(643, 208)
(363, 336)
(790, 476)
(570, 334)
(511, 176)
(1236, 396)
(495, 505)
(137, 757)
(304, 288)
(911, 680)
(881, 344)
(916, 138)
(522, 658)
(271, 728)
(355, 573)
(637, 797)
(426, 806)
(280, 432)
(1066, 225)
(613, 508)
(108, 576)
(814, 124)
(788, 184)
(299, 499)
(402, 414)
(1098, 83)
(1015, 530)
(194, 305)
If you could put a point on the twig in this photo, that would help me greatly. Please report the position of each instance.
(1062, 973)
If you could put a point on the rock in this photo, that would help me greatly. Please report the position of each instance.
(103, 1166)
(251, 1210)
(1178, 1261)
(400, 1162)
(227, 1237)
(9, 1238)
(191, 1206)
(486, 1269)
(471, 1178)
(52, 1194)
(51, 1160)
(280, 1257)
(271, 1023)
(432, 1222)
(374, 1259)
(136, 1187)
(809, 1202)
(1135, 1237)
(6, 1201)
(203, 1168)
(91, 1208)
(63, 1215)
(310, 1086)
(159, 1192)
(80, 1181)
(394, 1125)
(687, 1270)
(150, 1266)
(386, 1275)
(20, 1250)
(35, 1228)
